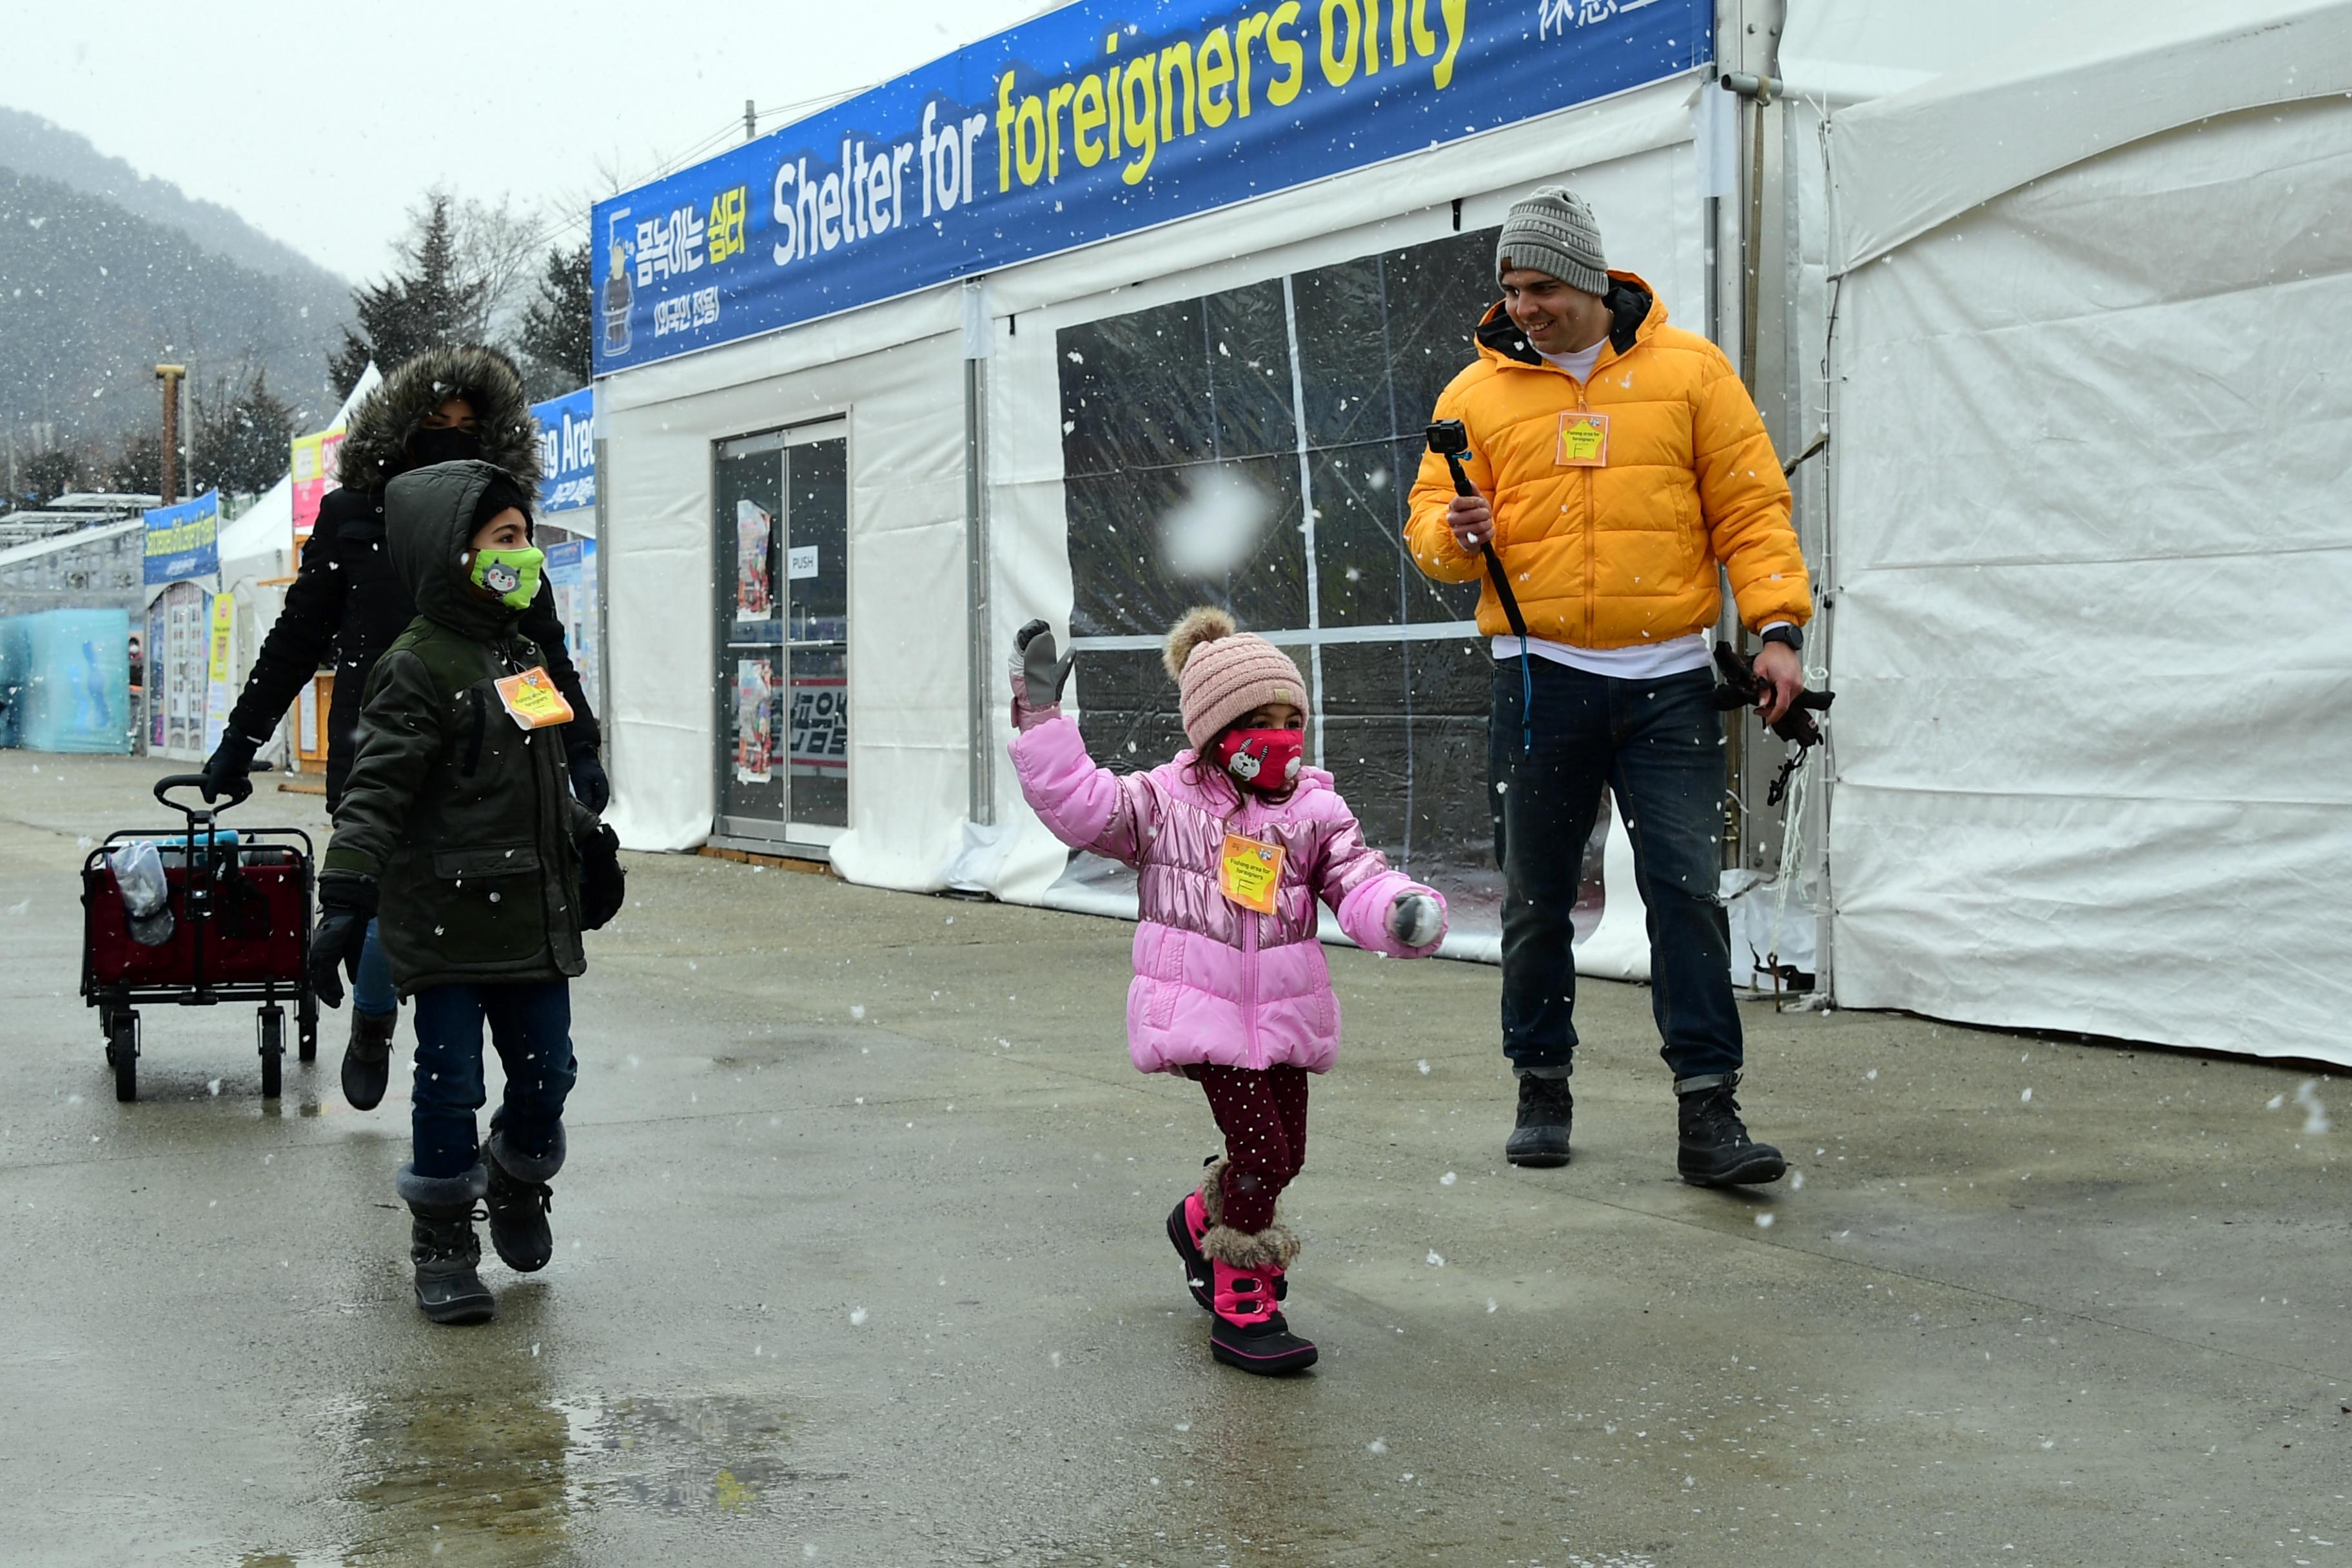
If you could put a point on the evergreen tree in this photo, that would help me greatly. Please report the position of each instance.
(431, 302)
(558, 329)
(242, 440)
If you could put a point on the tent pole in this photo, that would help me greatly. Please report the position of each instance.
(982, 804)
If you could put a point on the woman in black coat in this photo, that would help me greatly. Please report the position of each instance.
(441, 406)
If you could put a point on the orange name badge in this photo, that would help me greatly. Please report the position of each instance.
(532, 701)
(1248, 871)
(1583, 440)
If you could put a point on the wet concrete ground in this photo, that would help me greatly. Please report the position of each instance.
(860, 1260)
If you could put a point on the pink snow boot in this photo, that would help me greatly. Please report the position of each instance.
(1246, 1282)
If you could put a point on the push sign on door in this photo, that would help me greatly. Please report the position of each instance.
(801, 561)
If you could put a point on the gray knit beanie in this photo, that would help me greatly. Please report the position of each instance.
(1554, 231)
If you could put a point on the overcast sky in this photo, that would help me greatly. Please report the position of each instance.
(321, 123)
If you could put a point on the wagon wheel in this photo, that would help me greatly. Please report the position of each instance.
(306, 1025)
(122, 1052)
(273, 1051)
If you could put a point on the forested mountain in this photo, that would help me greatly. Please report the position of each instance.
(31, 145)
(103, 274)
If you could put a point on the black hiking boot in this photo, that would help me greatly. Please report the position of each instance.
(367, 1060)
(518, 1215)
(443, 1246)
(1716, 1149)
(1546, 1109)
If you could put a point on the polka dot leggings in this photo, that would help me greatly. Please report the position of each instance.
(1263, 1118)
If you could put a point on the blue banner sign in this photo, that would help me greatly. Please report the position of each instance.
(1097, 119)
(183, 541)
(567, 452)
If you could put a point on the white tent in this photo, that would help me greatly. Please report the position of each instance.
(2089, 554)
(893, 376)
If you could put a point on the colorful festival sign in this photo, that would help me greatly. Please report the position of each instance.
(183, 541)
(1099, 119)
(314, 476)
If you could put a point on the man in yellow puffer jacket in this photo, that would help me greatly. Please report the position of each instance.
(1621, 469)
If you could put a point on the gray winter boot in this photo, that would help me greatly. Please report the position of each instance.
(520, 1200)
(367, 1060)
(443, 1246)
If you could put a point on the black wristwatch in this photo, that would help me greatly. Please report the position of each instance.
(1787, 636)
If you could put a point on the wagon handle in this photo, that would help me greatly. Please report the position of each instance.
(239, 791)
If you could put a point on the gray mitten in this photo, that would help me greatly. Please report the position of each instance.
(1038, 677)
(1416, 920)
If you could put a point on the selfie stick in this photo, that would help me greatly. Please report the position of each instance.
(1450, 438)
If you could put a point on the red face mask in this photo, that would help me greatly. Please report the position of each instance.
(1266, 761)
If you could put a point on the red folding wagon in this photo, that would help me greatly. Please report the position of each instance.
(239, 931)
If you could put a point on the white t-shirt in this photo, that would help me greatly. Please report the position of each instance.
(1643, 661)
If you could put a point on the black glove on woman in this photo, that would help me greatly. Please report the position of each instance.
(346, 904)
(589, 784)
(226, 769)
(603, 885)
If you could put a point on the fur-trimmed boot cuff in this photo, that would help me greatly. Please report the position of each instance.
(1273, 1247)
(525, 1167)
(442, 1194)
(1213, 1190)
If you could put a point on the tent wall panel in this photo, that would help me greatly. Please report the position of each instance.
(2095, 732)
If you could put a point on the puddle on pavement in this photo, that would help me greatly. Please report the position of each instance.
(504, 1478)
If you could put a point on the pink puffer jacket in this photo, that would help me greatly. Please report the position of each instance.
(1215, 982)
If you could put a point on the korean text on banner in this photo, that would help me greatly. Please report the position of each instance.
(567, 452)
(1099, 119)
(183, 541)
(314, 476)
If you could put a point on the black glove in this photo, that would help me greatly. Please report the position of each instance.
(226, 769)
(603, 885)
(589, 784)
(346, 904)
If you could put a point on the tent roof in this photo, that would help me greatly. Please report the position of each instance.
(264, 528)
(74, 540)
(2105, 73)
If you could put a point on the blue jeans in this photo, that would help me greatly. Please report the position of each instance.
(1658, 746)
(530, 1024)
(372, 992)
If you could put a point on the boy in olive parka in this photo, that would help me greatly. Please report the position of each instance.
(457, 832)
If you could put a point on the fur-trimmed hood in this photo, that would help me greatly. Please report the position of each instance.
(375, 448)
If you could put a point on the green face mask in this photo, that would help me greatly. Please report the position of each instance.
(510, 576)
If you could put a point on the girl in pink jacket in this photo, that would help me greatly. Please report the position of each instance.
(1233, 842)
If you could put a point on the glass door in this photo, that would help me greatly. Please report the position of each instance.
(781, 521)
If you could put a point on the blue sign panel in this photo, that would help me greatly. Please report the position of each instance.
(567, 452)
(1099, 119)
(183, 541)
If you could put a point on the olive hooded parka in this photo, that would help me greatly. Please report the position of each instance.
(464, 818)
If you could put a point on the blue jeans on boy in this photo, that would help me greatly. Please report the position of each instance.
(530, 1025)
(372, 992)
(1658, 746)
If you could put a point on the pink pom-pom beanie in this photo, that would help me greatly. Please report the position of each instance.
(1223, 674)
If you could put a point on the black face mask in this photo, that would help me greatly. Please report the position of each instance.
(444, 446)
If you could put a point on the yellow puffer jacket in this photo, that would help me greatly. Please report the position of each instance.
(1623, 555)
